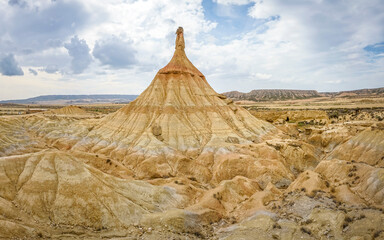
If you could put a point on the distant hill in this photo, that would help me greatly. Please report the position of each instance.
(272, 94)
(286, 94)
(75, 99)
(368, 92)
(254, 95)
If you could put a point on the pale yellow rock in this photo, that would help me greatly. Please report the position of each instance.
(68, 110)
(367, 147)
(308, 182)
(53, 187)
(365, 181)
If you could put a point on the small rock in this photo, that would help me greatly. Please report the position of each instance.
(232, 140)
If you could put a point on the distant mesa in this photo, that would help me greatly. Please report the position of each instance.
(378, 92)
(261, 95)
(272, 94)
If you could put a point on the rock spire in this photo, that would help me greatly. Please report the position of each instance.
(179, 62)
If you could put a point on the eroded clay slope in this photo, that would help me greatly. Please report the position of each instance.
(50, 189)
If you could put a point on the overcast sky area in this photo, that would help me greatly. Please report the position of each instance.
(117, 46)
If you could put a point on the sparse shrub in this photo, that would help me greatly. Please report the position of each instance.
(199, 235)
(308, 221)
(306, 230)
(377, 234)
(178, 183)
(217, 196)
(361, 216)
(345, 225)
(348, 219)
(334, 115)
(192, 179)
(300, 124)
(276, 225)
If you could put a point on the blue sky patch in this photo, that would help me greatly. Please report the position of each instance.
(232, 20)
(376, 48)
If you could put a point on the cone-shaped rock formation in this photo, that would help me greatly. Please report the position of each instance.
(180, 111)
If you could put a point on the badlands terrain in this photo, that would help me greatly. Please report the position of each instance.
(184, 162)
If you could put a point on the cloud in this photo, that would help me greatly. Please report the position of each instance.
(262, 76)
(321, 45)
(9, 66)
(79, 51)
(32, 71)
(42, 24)
(238, 44)
(233, 2)
(263, 10)
(20, 3)
(51, 69)
(322, 25)
(115, 53)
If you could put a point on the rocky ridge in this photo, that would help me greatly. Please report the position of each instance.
(272, 94)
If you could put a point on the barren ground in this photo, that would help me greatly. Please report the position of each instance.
(320, 177)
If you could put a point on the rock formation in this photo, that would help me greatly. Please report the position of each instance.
(178, 117)
(179, 111)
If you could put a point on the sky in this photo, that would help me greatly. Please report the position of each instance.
(117, 46)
